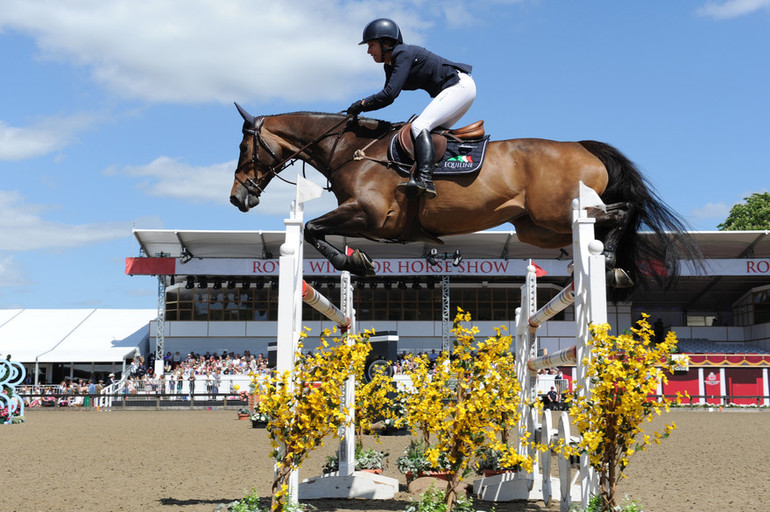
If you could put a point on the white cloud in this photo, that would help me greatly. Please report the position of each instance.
(169, 177)
(732, 8)
(41, 138)
(205, 50)
(23, 228)
(711, 212)
(10, 274)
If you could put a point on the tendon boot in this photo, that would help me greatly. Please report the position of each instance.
(424, 156)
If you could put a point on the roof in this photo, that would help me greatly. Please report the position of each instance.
(483, 244)
(73, 335)
(707, 293)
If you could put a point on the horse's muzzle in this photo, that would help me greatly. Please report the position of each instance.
(244, 200)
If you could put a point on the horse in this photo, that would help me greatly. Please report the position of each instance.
(528, 182)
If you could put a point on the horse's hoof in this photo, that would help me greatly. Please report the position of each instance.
(360, 264)
(618, 278)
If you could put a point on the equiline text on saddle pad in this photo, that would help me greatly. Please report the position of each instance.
(461, 156)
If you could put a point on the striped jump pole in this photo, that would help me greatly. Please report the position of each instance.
(562, 301)
(317, 301)
(561, 357)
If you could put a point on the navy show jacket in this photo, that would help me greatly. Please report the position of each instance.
(413, 67)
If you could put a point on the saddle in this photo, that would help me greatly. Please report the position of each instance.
(439, 137)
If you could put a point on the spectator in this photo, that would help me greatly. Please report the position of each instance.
(191, 379)
(552, 399)
(216, 383)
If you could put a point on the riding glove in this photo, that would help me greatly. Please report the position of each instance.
(355, 108)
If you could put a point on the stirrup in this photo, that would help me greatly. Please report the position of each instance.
(427, 187)
(413, 188)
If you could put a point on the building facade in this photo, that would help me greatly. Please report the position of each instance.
(218, 290)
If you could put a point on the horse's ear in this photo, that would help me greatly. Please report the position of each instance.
(245, 115)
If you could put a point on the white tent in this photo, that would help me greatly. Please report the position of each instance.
(73, 335)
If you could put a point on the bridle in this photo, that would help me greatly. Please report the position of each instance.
(250, 184)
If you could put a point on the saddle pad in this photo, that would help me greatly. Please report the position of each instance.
(461, 157)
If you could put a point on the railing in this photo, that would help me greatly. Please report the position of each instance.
(128, 401)
(721, 400)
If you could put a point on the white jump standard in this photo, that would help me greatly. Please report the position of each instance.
(589, 295)
(292, 291)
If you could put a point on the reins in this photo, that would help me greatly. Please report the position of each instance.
(276, 169)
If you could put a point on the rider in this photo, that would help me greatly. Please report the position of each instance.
(409, 67)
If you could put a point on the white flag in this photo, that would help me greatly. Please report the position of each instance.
(307, 190)
(589, 198)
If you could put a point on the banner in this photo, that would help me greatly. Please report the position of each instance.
(482, 267)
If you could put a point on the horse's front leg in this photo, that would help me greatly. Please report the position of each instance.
(347, 220)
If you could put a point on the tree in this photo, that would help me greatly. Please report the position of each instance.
(305, 405)
(624, 372)
(464, 402)
(754, 214)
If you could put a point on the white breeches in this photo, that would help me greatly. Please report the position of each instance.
(448, 107)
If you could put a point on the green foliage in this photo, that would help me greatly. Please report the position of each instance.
(366, 458)
(488, 458)
(595, 505)
(434, 500)
(249, 503)
(369, 458)
(754, 214)
(414, 459)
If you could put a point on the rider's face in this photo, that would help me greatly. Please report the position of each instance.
(375, 50)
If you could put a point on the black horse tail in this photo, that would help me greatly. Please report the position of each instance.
(655, 238)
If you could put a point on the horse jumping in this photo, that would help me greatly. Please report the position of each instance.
(527, 182)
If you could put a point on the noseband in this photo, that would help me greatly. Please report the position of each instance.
(274, 170)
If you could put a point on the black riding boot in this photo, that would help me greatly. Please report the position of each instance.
(421, 180)
(425, 157)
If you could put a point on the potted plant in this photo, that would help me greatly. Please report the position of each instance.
(367, 459)
(414, 463)
(258, 419)
(489, 462)
(244, 413)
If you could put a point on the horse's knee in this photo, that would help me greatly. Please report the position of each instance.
(311, 231)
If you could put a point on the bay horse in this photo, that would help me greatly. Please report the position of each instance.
(528, 182)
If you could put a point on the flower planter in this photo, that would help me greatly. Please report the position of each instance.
(242, 416)
(442, 475)
(258, 424)
(391, 431)
(493, 472)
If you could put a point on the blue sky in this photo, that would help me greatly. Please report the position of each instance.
(119, 114)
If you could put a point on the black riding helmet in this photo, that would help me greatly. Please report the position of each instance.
(383, 29)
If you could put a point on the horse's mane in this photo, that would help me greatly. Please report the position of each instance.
(366, 122)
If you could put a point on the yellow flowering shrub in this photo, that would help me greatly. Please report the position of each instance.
(465, 401)
(374, 402)
(305, 405)
(623, 372)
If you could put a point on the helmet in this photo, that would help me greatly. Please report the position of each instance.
(381, 27)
